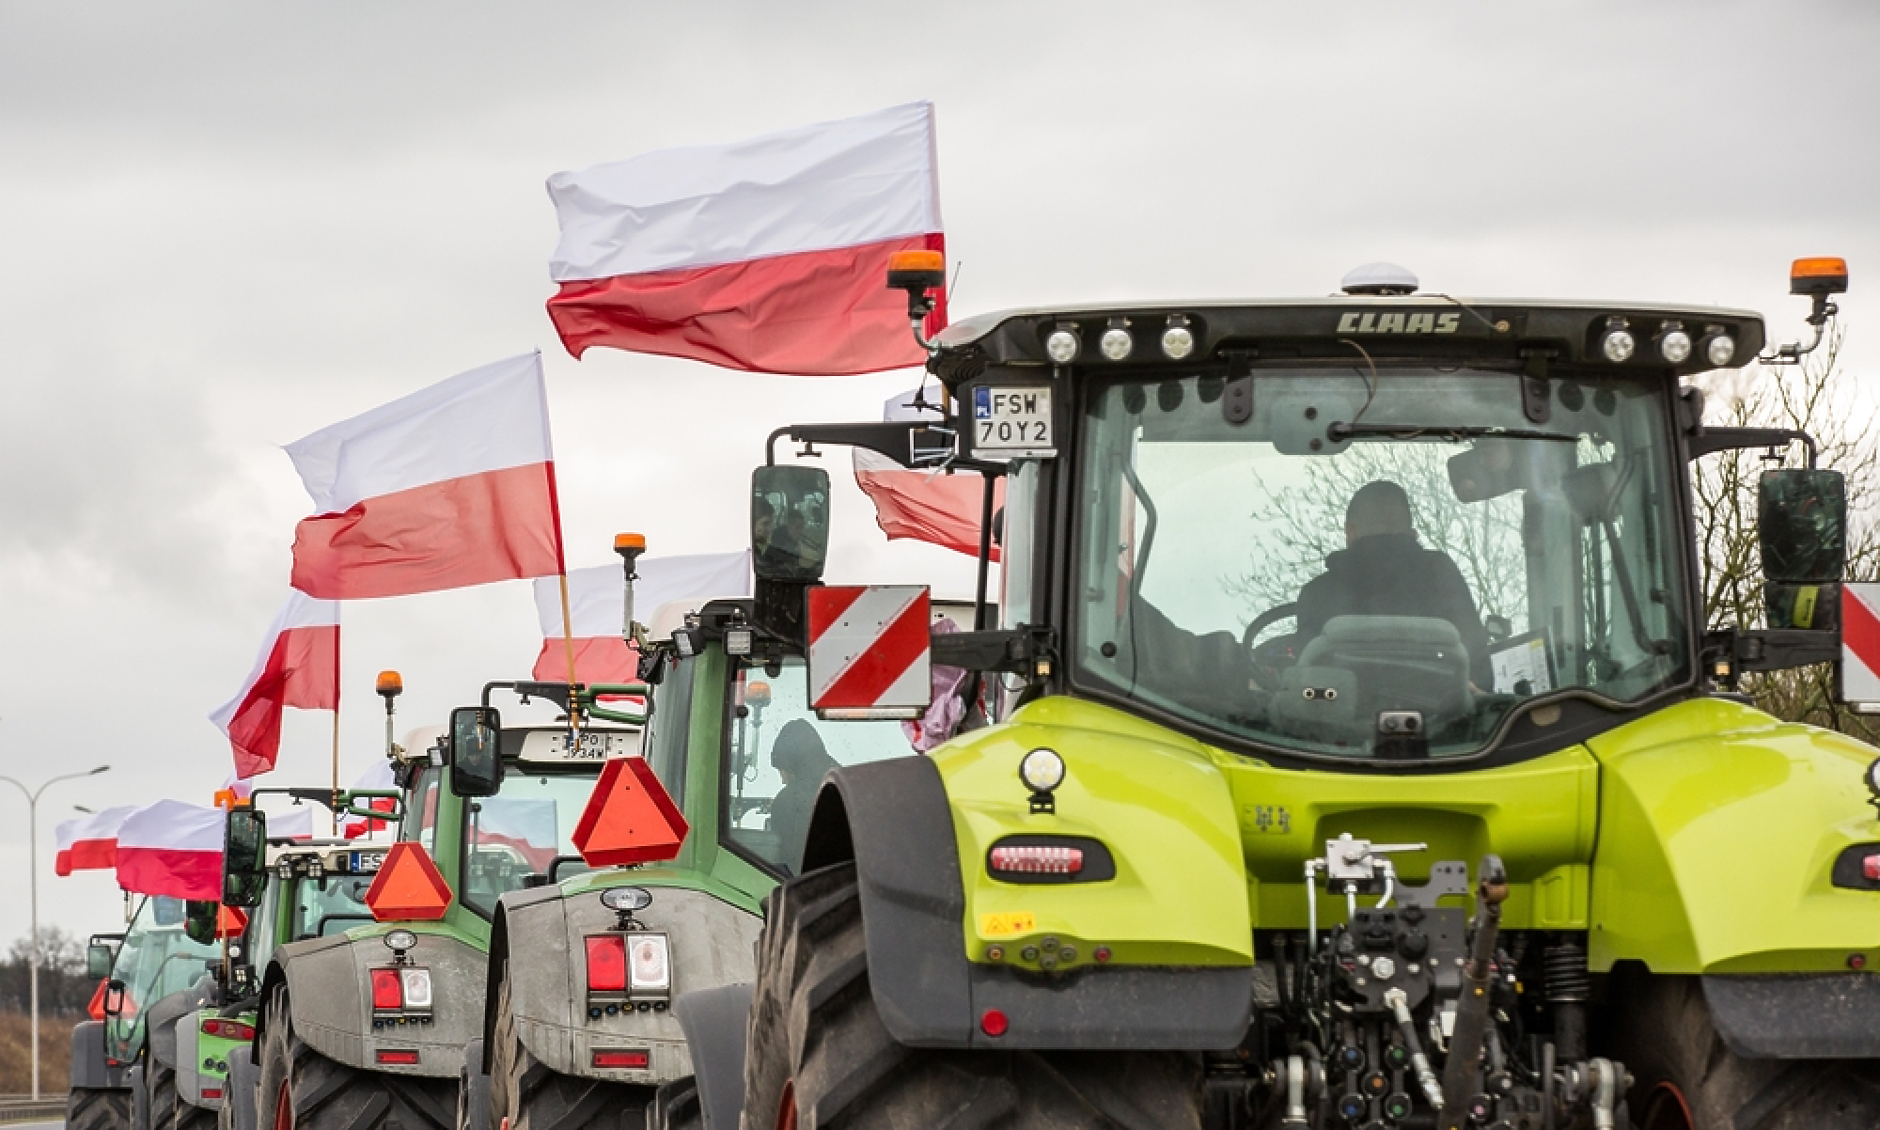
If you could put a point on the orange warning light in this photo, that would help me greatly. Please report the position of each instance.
(917, 271)
(230, 921)
(630, 818)
(1824, 275)
(390, 684)
(629, 541)
(408, 886)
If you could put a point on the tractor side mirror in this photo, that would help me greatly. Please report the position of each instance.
(789, 523)
(1802, 529)
(476, 758)
(100, 955)
(244, 858)
(199, 921)
(113, 998)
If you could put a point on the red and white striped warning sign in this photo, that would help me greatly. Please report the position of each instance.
(1860, 643)
(868, 649)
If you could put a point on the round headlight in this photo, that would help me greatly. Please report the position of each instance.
(1720, 349)
(1116, 343)
(1062, 346)
(1177, 342)
(400, 940)
(1618, 345)
(1674, 346)
(1042, 770)
(1873, 776)
(626, 899)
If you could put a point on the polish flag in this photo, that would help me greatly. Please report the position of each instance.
(89, 843)
(768, 255)
(171, 848)
(294, 824)
(298, 666)
(929, 506)
(597, 604)
(451, 486)
(379, 776)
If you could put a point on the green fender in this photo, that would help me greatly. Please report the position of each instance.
(1718, 830)
(1157, 800)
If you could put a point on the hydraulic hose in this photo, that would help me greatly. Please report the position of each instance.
(1399, 1005)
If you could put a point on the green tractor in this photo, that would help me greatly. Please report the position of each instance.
(310, 889)
(124, 1068)
(597, 979)
(367, 1028)
(1359, 757)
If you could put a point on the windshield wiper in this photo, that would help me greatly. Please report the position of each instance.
(1339, 432)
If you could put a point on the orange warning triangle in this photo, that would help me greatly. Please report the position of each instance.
(408, 886)
(630, 818)
(230, 921)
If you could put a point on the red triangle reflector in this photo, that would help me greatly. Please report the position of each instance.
(230, 921)
(408, 887)
(630, 818)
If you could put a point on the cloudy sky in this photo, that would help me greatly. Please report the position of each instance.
(223, 226)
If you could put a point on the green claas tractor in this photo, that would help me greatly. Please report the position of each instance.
(124, 1068)
(310, 889)
(367, 1028)
(1359, 756)
(582, 1027)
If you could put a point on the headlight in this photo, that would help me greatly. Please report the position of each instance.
(1618, 345)
(1720, 349)
(1116, 343)
(1178, 341)
(401, 940)
(626, 900)
(1042, 770)
(648, 965)
(1062, 346)
(1674, 345)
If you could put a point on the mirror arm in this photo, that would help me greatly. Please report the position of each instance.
(557, 693)
(898, 440)
(1724, 439)
(1774, 649)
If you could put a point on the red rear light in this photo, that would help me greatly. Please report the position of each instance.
(1038, 859)
(1870, 867)
(387, 993)
(212, 1092)
(993, 1023)
(606, 964)
(398, 1055)
(228, 1029)
(637, 1060)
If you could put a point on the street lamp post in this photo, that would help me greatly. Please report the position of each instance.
(32, 833)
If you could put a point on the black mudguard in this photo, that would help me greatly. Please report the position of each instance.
(892, 819)
(715, 1022)
(89, 1068)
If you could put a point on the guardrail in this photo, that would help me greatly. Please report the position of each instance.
(23, 1108)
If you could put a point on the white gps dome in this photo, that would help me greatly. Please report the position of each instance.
(1379, 278)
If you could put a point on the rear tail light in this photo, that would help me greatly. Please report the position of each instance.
(417, 986)
(651, 968)
(607, 963)
(212, 1092)
(228, 1029)
(1038, 859)
(634, 1059)
(397, 1055)
(1870, 867)
(388, 995)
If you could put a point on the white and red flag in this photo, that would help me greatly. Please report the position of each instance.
(768, 255)
(597, 605)
(89, 843)
(451, 486)
(377, 777)
(925, 505)
(298, 666)
(294, 824)
(171, 848)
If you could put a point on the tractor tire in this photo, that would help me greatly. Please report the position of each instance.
(192, 1117)
(98, 1108)
(304, 1090)
(1686, 1078)
(163, 1101)
(526, 1095)
(821, 1059)
(676, 1107)
(473, 1090)
(238, 1094)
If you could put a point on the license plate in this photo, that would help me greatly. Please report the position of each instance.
(1013, 422)
(366, 862)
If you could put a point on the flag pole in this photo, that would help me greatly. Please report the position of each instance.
(332, 810)
(567, 643)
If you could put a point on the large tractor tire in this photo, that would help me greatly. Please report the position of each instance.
(161, 1081)
(192, 1117)
(238, 1094)
(304, 1090)
(98, 1108)
(676, 1107)
(526, 1095)
(1686, 1078)
(821, 1059)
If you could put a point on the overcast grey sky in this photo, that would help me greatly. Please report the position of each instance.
(225, 225)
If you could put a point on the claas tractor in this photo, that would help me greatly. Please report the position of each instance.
(1359, 756)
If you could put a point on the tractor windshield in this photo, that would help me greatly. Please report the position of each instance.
(156, 959)
(520, 831)
(1376, 564)
(332, 905)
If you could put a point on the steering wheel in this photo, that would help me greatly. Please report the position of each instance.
(1271, 655)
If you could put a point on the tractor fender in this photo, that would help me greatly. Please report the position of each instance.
(711, 943)
(329, 999)
(186, 1046)
(162, 1019)
(715, 1023)
(1719, 832)
(140, 1094)
(90, 1069)
(900, 823)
